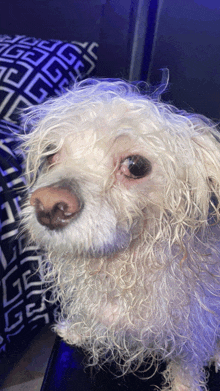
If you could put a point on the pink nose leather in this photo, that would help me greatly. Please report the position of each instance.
(54, 206)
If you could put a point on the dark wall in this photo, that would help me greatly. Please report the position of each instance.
(58, 19)
(187, 40)
(188, 43)
(107, 22)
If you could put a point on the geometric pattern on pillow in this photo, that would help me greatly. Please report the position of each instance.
(23, 305)
(33, 69)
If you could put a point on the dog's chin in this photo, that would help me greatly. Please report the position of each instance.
(117, 240)
(119, 243)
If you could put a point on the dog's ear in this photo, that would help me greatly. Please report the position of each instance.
(207, 166)
(197, 182)
(207, 148)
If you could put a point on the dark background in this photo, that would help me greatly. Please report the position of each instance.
(184, 35)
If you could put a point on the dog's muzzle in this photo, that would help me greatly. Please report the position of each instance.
(55, 206)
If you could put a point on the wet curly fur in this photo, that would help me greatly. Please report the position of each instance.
(137, 268)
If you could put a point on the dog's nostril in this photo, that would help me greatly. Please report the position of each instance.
(55, 207)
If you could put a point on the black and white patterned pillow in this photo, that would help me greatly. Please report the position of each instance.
(24, 309)
(33, 69)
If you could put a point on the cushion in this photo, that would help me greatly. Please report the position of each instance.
(33, 69)
(24, 308)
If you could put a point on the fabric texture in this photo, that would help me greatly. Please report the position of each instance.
(24, 307)
(33, 69)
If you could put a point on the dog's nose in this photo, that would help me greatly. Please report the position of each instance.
(54, 206)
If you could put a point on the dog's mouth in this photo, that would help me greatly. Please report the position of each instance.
(88, 229)
(119, 242)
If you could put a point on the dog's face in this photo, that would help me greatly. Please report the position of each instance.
(93, 192)
(116, 170)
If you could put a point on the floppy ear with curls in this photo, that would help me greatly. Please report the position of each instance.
(207, 171)
(192, 197)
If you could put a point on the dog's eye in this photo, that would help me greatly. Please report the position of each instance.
(50, 148)
(50, 160)
(49, 153)
(136, 166)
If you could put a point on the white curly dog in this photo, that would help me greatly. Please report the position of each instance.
(124, 200)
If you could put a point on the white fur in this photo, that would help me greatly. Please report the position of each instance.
(137, 272)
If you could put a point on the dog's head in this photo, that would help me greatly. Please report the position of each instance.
(110, 168)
